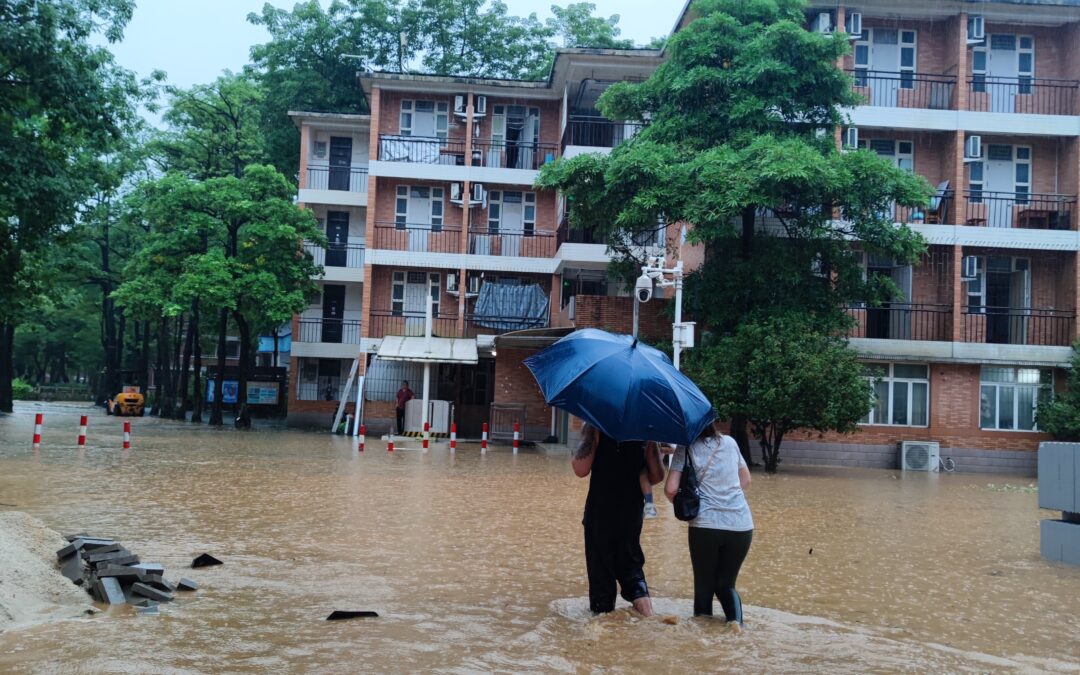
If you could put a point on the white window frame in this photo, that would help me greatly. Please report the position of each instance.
(976, 288)
(1043, 391)
(890, 380)
(397, 293)
(437, 213)
(984, 48)
(495, 211)
(912, 46)
(440, 111)
(906, 74)
(1022, 187)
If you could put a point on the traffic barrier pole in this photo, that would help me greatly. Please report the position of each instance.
(517, 435)
(39, 419)
(363, 432)
(453, 436)
(127, 435)
(427, 428)
(82, 431)
(390, 444)
(483, 439)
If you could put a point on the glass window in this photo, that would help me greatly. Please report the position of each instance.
(901, 394)
(1009, 397)
(1023, 152)
(978, 62)
(1027, 42)
(907, 37)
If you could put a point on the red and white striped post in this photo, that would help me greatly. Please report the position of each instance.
(453, 436)
(127, 435)
(427, 430)
(82, 431)
(363, 433)
(39, 419)
(517, 435)
(390, 444)
(483, 438)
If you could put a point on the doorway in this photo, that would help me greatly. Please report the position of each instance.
(333, 311)
(337, 237)
(340, 162)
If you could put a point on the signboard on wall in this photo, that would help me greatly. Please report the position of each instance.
(230, 389)
(262, 393)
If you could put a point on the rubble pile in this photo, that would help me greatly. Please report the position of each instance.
(114, 575)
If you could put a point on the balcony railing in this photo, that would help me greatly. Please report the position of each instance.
(1029, 95)
(312, 391)
(417, 237)
(1018, 326)
(566, 234)
(1020, 209)
(484, 324)
(903, 321)
(411, 323)
(514, 243)
(337, 255)
(348, 179)
(597, 132)
(421, 150)
(904, 90)
(334, 331)
(513, 154)
(937, 212)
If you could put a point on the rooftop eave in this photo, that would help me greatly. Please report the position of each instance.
(301, 117)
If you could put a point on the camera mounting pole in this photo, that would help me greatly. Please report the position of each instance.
(655, 273)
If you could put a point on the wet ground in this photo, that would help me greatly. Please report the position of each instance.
(475, 562)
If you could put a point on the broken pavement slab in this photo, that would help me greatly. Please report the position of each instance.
(142, 589)
(159, 582)
(343, 614)
(72, 568)
(205, 560)
(186, 584)
(109, 591)
(125, 574)
(150, 568)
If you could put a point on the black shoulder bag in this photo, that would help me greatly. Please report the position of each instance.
(687, 501)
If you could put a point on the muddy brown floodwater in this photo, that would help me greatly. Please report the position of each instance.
(475, 563)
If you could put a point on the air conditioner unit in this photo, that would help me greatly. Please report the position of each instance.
(973, 149)
(481, 106)
(976, 29)
(851, 138)
(460, 101)
(455, 192)
(451, 283)
(853, 25)
(919, 455)
(478, 193)
(969, 268)
(822, 23)
(474, 284)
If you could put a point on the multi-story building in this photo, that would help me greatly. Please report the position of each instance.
(432, 196)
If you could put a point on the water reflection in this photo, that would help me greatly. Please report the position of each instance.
(475, 562)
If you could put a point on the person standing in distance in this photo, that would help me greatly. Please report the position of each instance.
(404, 395)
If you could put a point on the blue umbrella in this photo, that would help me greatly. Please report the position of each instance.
(627, 389)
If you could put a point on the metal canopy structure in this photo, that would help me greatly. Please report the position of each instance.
(428, 350)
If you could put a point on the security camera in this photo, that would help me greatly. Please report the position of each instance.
(643, 288)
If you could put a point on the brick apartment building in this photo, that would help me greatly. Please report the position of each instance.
(432, 195)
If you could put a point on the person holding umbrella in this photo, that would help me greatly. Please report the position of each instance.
(613, 517)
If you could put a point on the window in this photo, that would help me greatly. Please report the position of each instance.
(424, 204)
(1022, 167)
(907, 59)
(512, 212)
(976, 288)
(397, 297)
(1010, 397)
(975, 182)
(978, 69)
(425, 118)
(399, 292)
(901, 394)
(1025, 65)
(862, 59)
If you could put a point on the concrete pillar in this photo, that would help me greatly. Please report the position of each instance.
(365, 294)
(373, 135)
(957, 294)
(305, 148)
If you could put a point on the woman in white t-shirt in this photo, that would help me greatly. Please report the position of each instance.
(720, 535)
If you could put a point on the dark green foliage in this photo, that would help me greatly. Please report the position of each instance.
(1060, 416)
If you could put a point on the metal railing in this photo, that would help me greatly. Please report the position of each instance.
(566, 234)
(417, 237)
(597, 132)
(513, 154)
(1018, 326)
(486, 324)
(421, 150)
(411, 323)
(331, 331)
(348, 179)
(512, 243)
(904, 89)
(1020, 209)
(337, 255)
(311, 391)
(903, 321)
(1028, 95)
(937, 212)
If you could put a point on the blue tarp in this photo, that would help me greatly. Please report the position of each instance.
(504, 307)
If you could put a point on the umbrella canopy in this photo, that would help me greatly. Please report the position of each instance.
(627, 389)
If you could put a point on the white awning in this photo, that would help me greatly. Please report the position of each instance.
(439, 350)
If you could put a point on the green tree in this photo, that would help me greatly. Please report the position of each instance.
(1060, 416)
(576, 26)
(781, 374)
(64, 103)
(738, 144)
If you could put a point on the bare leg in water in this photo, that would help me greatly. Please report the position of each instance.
(644, 606)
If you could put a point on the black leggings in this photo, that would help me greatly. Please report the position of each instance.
(717, 556)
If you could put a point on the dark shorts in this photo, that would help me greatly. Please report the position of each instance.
(613, 555)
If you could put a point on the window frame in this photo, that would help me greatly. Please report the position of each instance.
(440, 112)
(1042, 391)
(891, 380)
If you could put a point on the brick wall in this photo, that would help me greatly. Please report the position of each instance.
(616, 315)
(515, 384)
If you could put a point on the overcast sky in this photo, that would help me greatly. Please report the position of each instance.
(194, 40)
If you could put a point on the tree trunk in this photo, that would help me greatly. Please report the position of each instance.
(243, 414)
(770, 449)
(197, 388)
(742, 438)
(219, 379)
(176, 397)
(7, 367)
(184, 398)
(161, 378)
(144, 356)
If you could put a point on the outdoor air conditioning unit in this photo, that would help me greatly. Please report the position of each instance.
(481, 106)
(478, 193)
(851, 138)
(853, 25)
(451, 283)
(455, 193)
(919, 455)
(822, 23)
(474, 284)
(973, 149)
(976, 29)
(460, 101)
(969, 268)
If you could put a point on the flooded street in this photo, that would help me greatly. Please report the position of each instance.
(475, 563)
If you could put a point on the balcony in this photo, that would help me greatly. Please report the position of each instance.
(421, 150)
(1019, 209)
(328, 331)
(597, 132)
(410, 323)
(350, 256)
(483, 324)
(568, 235)
(347, 179)
(903, 321)
(513, 154)
(1027, 95)
(512, 243)
(417, 237)
(1018, 326)
(904, 90)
